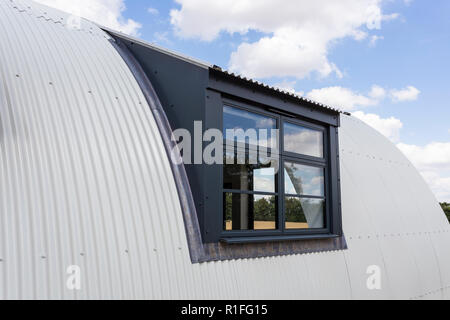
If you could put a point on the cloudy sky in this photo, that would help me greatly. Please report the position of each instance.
(385, 61)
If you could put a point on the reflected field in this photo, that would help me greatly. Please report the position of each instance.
(268, 225)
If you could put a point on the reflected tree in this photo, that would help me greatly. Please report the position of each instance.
(294, 210)
(265, 209)
(446, 207)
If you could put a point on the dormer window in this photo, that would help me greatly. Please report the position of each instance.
(276, 179)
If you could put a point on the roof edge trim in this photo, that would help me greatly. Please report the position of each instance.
(120, 35)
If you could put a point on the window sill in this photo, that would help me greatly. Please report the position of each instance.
(241, 240)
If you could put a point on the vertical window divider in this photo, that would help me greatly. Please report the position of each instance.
(281, 213)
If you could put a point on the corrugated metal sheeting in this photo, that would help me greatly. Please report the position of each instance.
(276, 90)
(84, 180)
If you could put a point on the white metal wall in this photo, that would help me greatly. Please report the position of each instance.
(84, 180)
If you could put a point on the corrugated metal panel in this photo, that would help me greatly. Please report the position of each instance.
(276, 90)
(80, 157)
(84, 180)
(387, 203)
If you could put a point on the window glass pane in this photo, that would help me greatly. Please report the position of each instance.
(303, 140)
(255, 175)
(303, 180)
(304, 213)
(249, 212)
(249, 127)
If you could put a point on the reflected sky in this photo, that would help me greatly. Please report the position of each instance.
(236, 119)
(303, 180)
(264, 180)
(302, 140)
(260, 177)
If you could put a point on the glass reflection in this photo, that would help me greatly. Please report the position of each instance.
(303, 180)
(304, 213)
(260, 176)
(259, 127)
(249, 212)
(301, 140)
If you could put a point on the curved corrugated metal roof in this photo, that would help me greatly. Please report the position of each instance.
(82, 166)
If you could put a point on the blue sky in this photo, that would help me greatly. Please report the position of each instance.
(414, 51)
(385, 61)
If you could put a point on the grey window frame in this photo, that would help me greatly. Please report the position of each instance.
(214, 217)
(247, 233)
(307, 160)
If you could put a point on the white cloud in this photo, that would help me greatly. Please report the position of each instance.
(104, 12)
(281, 57)
(408, 94)
(297, 33)
(434, 156)
(389, 127)
(153, 11)
(433, 162)
(438, 184)
(374, 39)
(349, 100)
(377, 92)
(345, 98)
(309, 141)
(162, 37)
